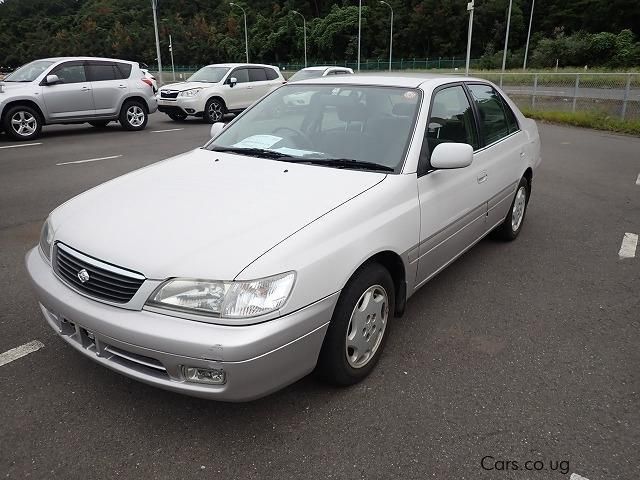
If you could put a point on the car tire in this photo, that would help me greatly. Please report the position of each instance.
(22, 123)
(512, 225)
(133, 115)
(177, 117)
(214, 110)
(359, 327)
(99, 123)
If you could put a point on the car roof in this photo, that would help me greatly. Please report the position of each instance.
(323, 67)
(233, 65)
(393, 79)
(61, 59)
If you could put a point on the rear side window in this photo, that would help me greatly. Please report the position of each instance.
(271, 73)
(123, 69)
(493, 120)
(257, 75)
(451, 119)
(511, 117)
(102, 71)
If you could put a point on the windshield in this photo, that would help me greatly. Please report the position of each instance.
(353, 126)
(304, 74)
(208, 74)
(29, 72)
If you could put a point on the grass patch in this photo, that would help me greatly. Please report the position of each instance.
(595, 120)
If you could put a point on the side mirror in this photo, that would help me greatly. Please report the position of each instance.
(216, 128)
(52, 79)
(452, 155)
(233, 81)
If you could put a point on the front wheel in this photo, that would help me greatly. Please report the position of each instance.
(214, 110)
(22, 123)
(357, 332)
(133, 116)
(512, 225)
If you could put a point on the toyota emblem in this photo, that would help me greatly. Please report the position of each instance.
(83, 276)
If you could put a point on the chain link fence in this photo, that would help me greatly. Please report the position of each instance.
(613, 94)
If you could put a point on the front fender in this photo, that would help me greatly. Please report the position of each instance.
(327, 252)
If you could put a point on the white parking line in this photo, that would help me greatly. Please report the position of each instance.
(168, 130)
(575, 476)
(629, 245)
(21, 351)
(90, 160)
(638, 180)
(21, 145)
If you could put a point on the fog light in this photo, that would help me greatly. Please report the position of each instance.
(210, 376)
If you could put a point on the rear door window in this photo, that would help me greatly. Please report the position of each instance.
(493, 120)
(102, 71)
(123, 69)
(257, 75)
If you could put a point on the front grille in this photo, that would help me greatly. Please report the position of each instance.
(169, 94)
(101, 280)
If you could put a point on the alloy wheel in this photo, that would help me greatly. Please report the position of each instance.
(367, 326)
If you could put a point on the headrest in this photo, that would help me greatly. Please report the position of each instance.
(352, 112)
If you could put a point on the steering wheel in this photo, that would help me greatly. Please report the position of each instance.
(298, 138)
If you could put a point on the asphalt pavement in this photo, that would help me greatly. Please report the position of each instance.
(524, 351)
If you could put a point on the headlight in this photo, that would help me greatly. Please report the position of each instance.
(243, 299)
(190, 93)
(46, 239)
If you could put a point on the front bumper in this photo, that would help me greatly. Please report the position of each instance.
(185, 105)
(151, 347)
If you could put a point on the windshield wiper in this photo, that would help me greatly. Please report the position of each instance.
(346, 163)
(253, 152)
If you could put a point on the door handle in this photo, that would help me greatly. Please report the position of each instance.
(122, 86)
(86, 89)
(482, 177)
(249, 87)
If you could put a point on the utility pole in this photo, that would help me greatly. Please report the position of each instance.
(246, 35)
(526, 49)
(154, 6)
(390, 33)
(173, 67)
(359, 30)
(304, 27)
(506, 39)
(470, 6)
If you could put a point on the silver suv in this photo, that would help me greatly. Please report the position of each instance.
(74, 90)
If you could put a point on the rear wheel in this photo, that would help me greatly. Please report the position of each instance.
(357, 332)
(133, 115)
(99, 123)
(22, 123)
(214, 110)
(510, 228)
(178, 117)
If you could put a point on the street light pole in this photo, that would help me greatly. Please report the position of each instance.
(470, 31)
(173, 67)
(304, 27)
(390, 33)
(154, 6)
(359, 30)
(246, 37)
(506, 40)
(526, 49)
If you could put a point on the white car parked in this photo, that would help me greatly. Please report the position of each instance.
(288, 242)
(215, 90)
(312, 72)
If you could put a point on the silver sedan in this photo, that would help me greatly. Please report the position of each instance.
(292, 240)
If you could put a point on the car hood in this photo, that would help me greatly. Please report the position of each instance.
(182, 86)
(14, 87)
(202, 214)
